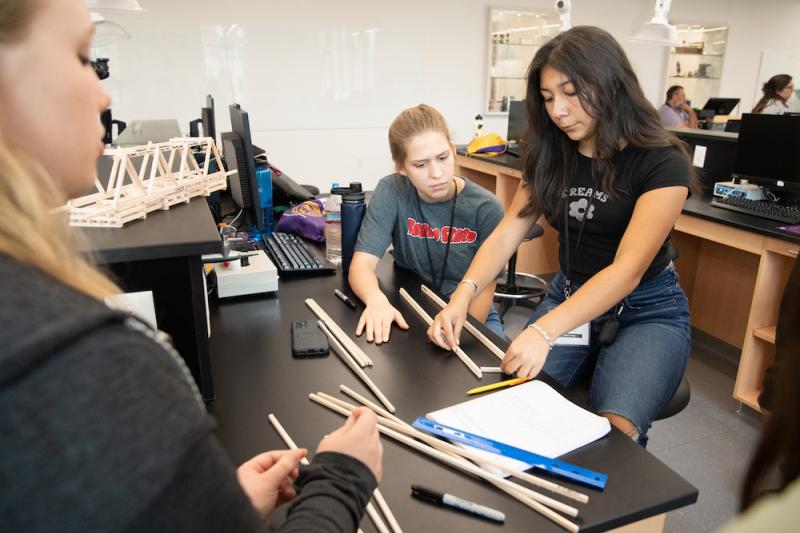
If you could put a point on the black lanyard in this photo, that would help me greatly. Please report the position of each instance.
(438, 281)
(568, 280)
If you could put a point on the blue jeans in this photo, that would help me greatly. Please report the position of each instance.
(495, 323)
(637, 375)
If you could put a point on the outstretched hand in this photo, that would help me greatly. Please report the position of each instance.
(445, 330)
(526, 355)
(377, 318)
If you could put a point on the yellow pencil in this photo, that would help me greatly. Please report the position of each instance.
(498, 385)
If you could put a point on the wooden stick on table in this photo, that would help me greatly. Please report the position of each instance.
(452, 449)
(428, 320)
(519, 492)
(287, 440)
(348, 360)
(469, 327)
(358, 354)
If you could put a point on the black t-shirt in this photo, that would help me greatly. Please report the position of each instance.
(638, 171)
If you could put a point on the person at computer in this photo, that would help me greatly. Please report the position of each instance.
(675, 111)
(777, 96)
(102, 426)
(612, 181)
(435, 220)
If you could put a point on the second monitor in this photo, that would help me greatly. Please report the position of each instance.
(721, 106)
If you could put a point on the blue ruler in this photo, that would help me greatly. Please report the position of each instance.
(554, 466)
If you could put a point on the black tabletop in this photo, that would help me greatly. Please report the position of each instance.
(255, 374)
(183, 230)
(700, 206)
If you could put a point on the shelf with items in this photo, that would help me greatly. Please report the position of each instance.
(697, 55)
(701, 57)
(513, 37)
(673, 77)
(529, 45)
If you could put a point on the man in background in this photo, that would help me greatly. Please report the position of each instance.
(676, 112)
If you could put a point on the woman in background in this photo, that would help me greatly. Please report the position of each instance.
(777, 92)
(101, 425)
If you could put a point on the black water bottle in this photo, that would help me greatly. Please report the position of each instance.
(353, 208)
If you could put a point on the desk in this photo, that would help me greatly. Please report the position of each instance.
(733, 268)
(255, 374)
(162, 253)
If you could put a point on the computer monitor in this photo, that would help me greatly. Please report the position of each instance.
(206, 119)
(207, 116)
(517, 120)
(240, 153)
(766, 152)
(721, 106)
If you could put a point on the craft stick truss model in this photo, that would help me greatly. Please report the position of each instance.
(131, 193)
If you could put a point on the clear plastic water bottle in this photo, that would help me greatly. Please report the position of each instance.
(333, 227)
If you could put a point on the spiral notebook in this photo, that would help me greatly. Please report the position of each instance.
(531, 416)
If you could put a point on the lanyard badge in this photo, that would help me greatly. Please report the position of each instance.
(580, 335)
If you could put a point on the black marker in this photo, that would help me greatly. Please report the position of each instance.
(343, 297)
(455, 502)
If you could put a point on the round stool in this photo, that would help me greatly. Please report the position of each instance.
(518, 288)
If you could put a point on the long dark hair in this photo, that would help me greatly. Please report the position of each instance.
(771, 88)
(609, 92)
(779, 448)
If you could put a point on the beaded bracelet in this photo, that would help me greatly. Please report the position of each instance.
(470, 283)
(542, 332)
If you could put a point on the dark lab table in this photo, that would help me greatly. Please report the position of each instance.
(255, 374)
(161, 253)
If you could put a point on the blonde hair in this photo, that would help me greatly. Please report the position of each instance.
(410, 123)
(29, 231)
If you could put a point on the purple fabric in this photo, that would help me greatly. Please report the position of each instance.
(306, 220)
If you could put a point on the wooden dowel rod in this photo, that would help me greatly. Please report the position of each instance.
(428, 320)
(472, 469)
(351, 346)
(387, 512)
(380, 525)
(348, 360)
(483, 339)
(287, 440)
(452, 449)
(369, 403)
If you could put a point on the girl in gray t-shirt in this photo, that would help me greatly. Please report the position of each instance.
(435, 220)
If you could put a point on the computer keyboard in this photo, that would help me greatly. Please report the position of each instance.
(789, 214)
(292, 257)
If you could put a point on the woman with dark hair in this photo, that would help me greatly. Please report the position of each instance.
(604, 173)
(777, 91)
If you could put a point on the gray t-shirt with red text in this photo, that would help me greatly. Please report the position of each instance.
(396, 215)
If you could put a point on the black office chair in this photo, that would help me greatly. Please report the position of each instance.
(518, 288)
(679, 400)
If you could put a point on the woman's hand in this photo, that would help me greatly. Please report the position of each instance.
(377, 319)
(526, 355)
(358, 438)
(445, 331)
(267, 478)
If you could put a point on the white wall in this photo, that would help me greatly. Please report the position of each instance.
(322, 80)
